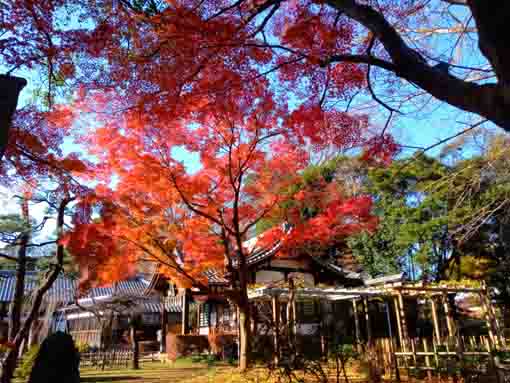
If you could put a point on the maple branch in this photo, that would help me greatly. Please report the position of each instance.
(256, 220)
(359, 59)
(262, 8)
(190, 206)
(162, 261)
(226, 9)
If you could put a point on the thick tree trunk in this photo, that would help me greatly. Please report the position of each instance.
(244, 317)
(244, 333)
(10, 87)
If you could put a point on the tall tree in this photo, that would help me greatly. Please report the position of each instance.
(413, 209)
(18, 330)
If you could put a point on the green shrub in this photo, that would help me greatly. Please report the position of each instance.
(27, 362)
(57, 361)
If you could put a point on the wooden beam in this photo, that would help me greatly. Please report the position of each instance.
(444, 289)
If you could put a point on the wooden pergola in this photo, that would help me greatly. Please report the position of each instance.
(394, 294)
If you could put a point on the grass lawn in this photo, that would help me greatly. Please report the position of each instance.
(184, 371)
(180, 371)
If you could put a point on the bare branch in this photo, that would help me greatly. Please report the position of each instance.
(9, 257)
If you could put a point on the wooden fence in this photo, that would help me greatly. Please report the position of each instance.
(471, 354)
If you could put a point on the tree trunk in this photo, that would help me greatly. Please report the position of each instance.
(10, 363)
(10, 87)
(244, 331)
(19, 290)
(134, 345)
(17, 302)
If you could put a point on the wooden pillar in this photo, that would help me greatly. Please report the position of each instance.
(399, 324)
(437, 333)
(185, 312)
(276, 330)
(294, 315)
(368, 321)
(449, 318)
(164, 325)
(427, 359)
(356, 321)
(392, 349)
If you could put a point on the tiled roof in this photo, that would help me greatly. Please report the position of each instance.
(147, 305)
(332, 266)
(64, 288)
(135, 286)
(214, 277)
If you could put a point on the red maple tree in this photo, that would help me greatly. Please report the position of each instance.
(249, 157)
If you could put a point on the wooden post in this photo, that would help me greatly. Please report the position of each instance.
(367, 321)
(437, 333)
(164, 326)
(499, 339)
(390, 332)
(198, 318)
(294, 315)
(436, 356)
(185, 313)
(427, 359)
(487, 320)
(403, 321)
(276, 330)
(399, 324)
(356, 322)
(449, 318)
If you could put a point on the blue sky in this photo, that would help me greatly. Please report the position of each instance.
(432, 126)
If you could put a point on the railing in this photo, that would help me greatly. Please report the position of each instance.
(109, 358)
